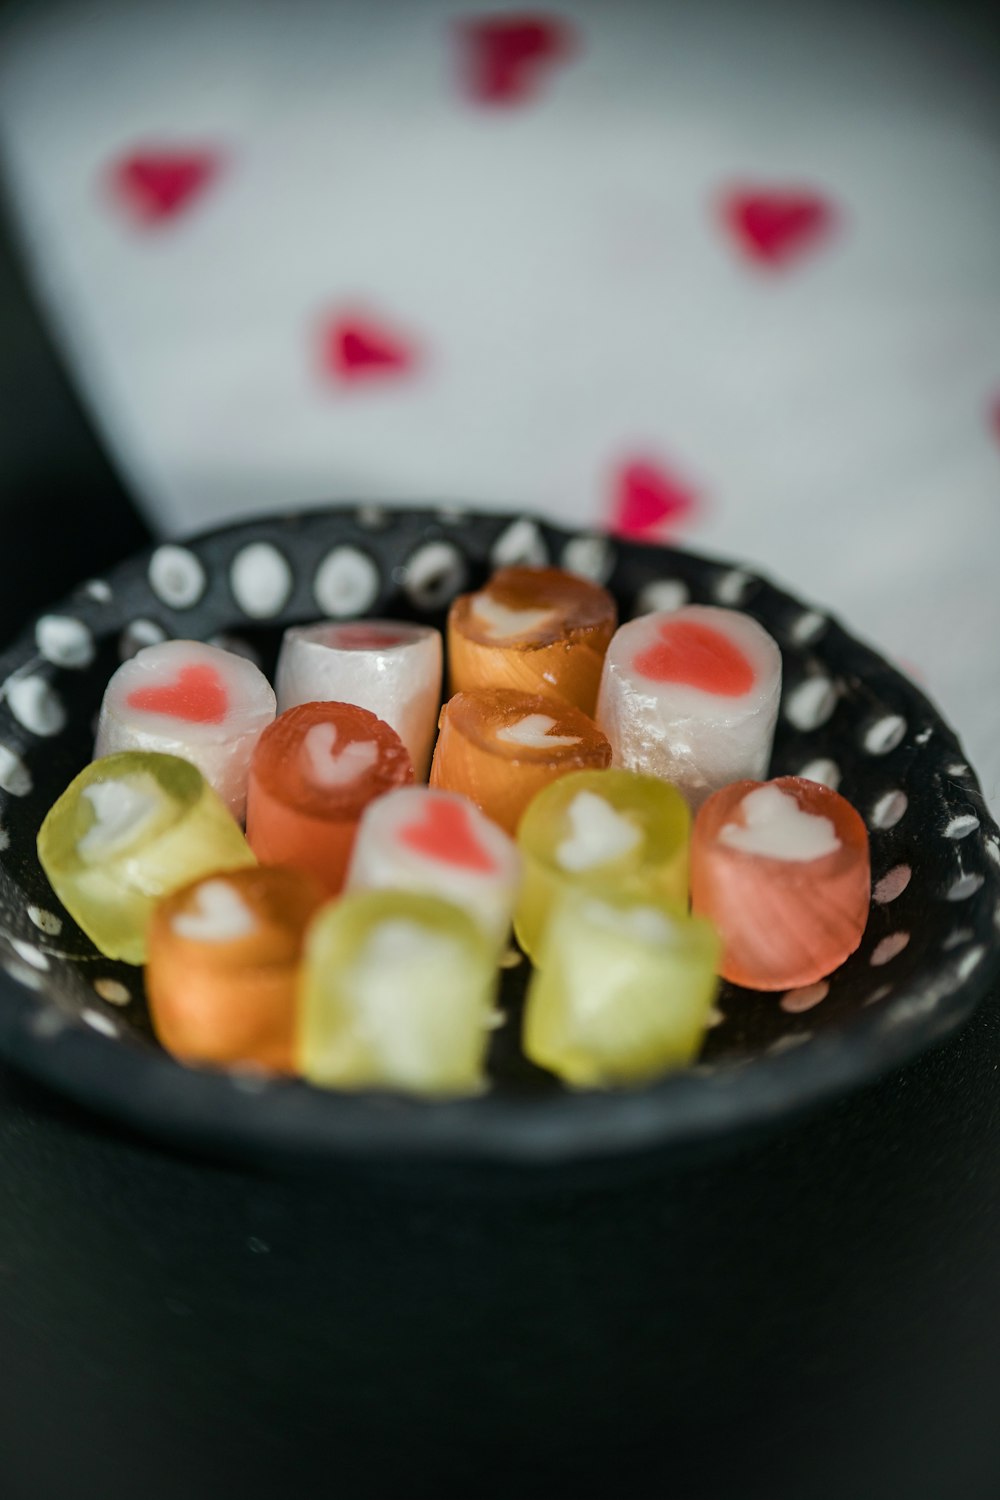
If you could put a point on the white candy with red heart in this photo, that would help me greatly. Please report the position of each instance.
(185, 698)
(691, 695)
(390, 667)
(440, 844)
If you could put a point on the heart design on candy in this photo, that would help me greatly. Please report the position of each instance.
(329, 768)
(444, 832)
(218, 914)
(197, 695)
(694, 655)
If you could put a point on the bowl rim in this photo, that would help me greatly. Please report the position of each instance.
(245, 1113)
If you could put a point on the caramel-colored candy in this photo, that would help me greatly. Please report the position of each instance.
(782, 870)
(538, 630)
(222, 971)
(313, 773)
(500, 747)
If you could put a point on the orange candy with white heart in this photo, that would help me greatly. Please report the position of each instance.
(360, 866)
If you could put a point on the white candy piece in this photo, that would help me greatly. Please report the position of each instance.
(390, 667)
(185, 698)
(438, 843)
(691, 695)
(775, 826)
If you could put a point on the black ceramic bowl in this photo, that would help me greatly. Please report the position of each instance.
(79, 1022)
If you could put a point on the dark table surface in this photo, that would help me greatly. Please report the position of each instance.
(814, 1312)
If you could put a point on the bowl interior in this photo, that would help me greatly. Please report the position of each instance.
(847, 718)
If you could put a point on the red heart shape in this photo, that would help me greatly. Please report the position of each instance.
(505, 58)
(197, 695)
(444, 832)
(773, 228)
(158, 185)
(356, 349)
(695, 655)
(645, 496)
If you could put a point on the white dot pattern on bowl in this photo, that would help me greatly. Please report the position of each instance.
(885, 734)
(521, 544)
(805, 998)
(824, 770)
(811, 703)
(346, 583)
(589, 557)
(137, 635)
(113, 991)
(733, 587)
(261, 580)
(889, 948)
(45, 921)
(888, 810)
(434, 574)
(64, 641)
(97, 1022)
(35, 705)
(177, 576)
(15, 777)
(808, 627)
(663, 594)
(892, 884)
(965, 886)
(962, 826)
(31, 955)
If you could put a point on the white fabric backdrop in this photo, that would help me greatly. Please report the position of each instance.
(712, 272)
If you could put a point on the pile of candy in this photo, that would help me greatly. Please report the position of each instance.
(355, 933)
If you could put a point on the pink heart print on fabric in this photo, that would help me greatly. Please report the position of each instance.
(696, 656)
(648, 499)
(356, 349)
(444, 832)
(155, 186)
(197, 695)
(776, 227)
(506, 59)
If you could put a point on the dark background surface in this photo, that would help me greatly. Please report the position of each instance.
(811, 1313)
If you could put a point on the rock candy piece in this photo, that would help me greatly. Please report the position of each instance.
(127, 831)
(691, 695)
(601, 831)
(223, 966)
(423, 839)
(499, 747)
(782, 869)
(315, 770)
(390, 667)
(185, 698)
(623, 990)
(398, 992)
(537, 630)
